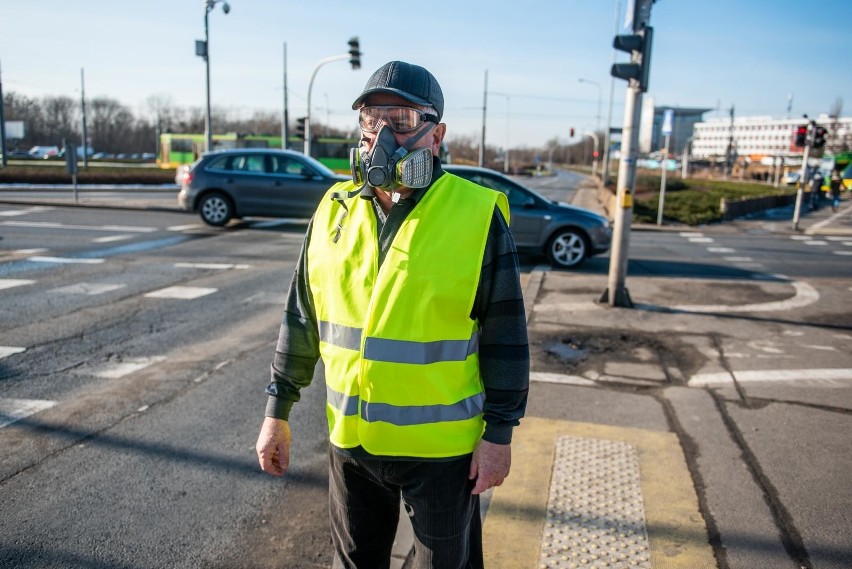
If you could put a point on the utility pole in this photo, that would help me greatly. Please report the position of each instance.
(729, 152)
(285, 116)
(608, 133)
(636, 73)
(484, 105)
(83, 110)
(4, 160)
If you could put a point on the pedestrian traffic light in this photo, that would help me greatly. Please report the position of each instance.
(638, 45)
(819, 137)
(355, 52)
(572, 132)
(300, 127)
(801, 135)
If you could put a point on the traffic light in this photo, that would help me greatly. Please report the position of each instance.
(355, 52)
(572, 132)
(819, 136)
(300, 127)
(638, 45)
(801, 135)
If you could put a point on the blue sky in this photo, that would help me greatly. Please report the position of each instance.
(751, 54)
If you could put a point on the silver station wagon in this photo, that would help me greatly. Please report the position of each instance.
(264, 182)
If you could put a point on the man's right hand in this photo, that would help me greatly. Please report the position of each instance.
(273, 446)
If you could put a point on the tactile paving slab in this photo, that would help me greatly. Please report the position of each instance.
(595, 514)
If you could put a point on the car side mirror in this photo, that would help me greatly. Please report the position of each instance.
(529, 202)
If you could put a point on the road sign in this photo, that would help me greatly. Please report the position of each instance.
(668, 118)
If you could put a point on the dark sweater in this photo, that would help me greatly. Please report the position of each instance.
(498, 307)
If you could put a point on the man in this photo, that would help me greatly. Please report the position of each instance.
(408, 288)
(816, 191)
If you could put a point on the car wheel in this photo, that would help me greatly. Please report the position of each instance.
(567, 248)
(216, 209)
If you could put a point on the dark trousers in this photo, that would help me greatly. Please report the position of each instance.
(364, 496)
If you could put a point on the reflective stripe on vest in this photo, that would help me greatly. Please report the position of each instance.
(398, 351)
(467, 408)
(340, 335)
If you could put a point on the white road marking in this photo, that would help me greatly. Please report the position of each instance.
(88, 288)
(739, 259)
(27, 211)
(545, 377)
(129, 365)
(805, 295)
(720, 250)
(9, 283)
(212, 266)
(277, 223)
(54, 225)
(184, 227)
(111, 238)
(829, 375)
(801, 237)
(65, 260)
(843, 252)
(12, 410)
(6, 351)
(181, 292)
(700, 239)
(816, 243)
(689, 234)
(26, 252)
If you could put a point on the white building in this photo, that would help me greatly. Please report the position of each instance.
(763, 137)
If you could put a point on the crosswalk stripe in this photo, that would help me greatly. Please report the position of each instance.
(181, 292)
(12, 410)
(6, 351)
(65, 260)
(9, 283)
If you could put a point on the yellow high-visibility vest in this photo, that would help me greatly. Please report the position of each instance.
(399, 347)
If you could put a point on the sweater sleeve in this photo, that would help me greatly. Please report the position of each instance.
(297, 351)
(504, 356)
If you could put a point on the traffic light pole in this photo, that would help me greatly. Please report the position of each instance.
(310, 87)
(616, 294)
(803, 176)
(636, 73)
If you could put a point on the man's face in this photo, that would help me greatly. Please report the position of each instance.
(431, 140)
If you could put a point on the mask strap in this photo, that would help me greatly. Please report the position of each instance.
(411, 141)
(339, 197)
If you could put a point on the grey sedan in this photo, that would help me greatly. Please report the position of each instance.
(234, 183)
(566, 234)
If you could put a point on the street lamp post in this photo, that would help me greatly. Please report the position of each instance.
(204, 51)
(598, 128)
(600, 97)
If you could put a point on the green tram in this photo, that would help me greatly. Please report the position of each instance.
(177, 149)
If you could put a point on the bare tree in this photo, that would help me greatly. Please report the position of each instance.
(837, 140)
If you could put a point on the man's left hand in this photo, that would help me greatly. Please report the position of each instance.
(490, 465)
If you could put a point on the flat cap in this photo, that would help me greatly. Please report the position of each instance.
(411, 82)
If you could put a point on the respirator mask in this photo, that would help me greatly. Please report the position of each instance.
(387, 165)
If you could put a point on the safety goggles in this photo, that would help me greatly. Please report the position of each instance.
(399, 119)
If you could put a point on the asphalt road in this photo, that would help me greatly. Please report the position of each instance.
(136, 345)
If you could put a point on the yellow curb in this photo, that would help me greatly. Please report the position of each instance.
(513, 528)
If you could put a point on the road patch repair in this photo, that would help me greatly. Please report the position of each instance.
(588, 495)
